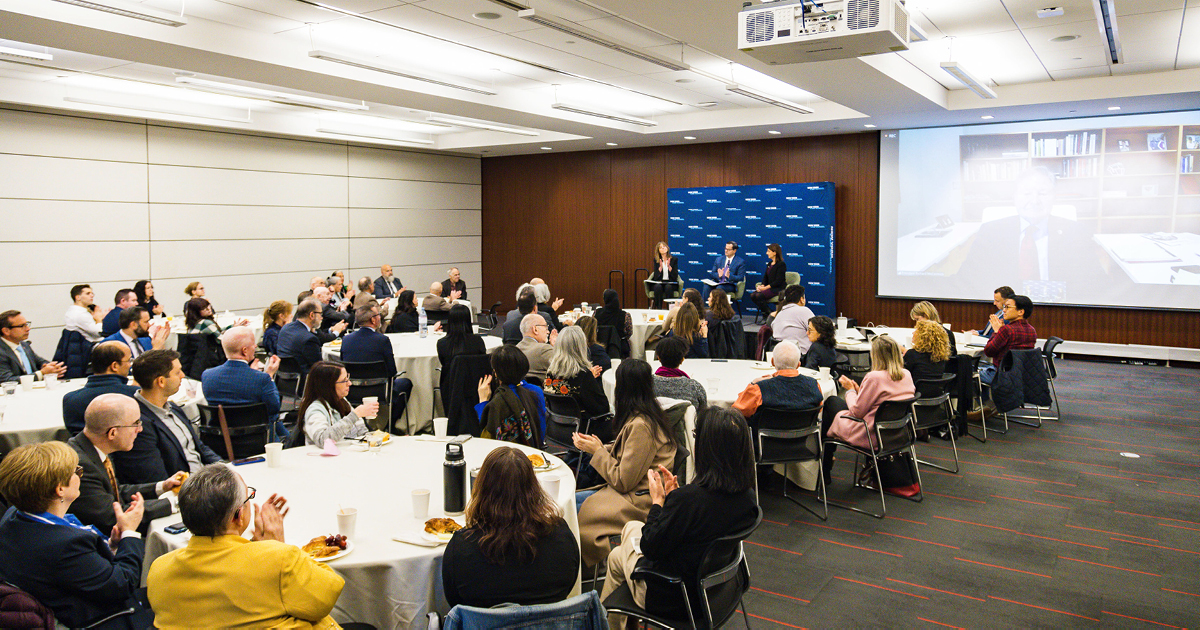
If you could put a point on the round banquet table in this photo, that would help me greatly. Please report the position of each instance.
(643, 329)
(731, 378)
(35, 416)
(389, 584)
(223, 320)
(853, 341)
(418, 358)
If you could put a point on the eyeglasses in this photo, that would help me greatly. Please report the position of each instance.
(1010, 307)
(79, 471)
(249, 494)
(344, 381)
(25, 325)
(135, 425)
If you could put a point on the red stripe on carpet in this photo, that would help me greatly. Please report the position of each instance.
(1032, 502)
(1182, 592)
(751, 542)
(1005, 529)
(1138, 619)
(950, 496)
(888, 553)
(928, 542)
(1060, 483)
(835, 529)
(1165, 518)
(1002, 478)
(882, 588)
(1084, 472)
(1110, 566)
(1044, 608)
(1134, 542)
(897, 518)
(1102, 531)
(1071, 496)
(1194, 496)
(782, 623)
(1175, 526)
(996, 566)
(937, 589)
(755, 588)
(1067, 461)
(767, 520)
(938, 623)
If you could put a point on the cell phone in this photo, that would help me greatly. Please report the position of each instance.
(250, 460)
(718, 360)
(177, 528)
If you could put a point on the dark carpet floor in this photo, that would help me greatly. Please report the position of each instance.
(1050, 527)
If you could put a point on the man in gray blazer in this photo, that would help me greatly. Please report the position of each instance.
(17, 357)
(112, 422)
(537, 343)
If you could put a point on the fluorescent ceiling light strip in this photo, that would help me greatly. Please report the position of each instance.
(1106, 19)
(338, 131)
(955, 70)
(550, 21)
(6, 51)
(407, 74)
(478, 125)
(137, 11)
(767, 98)
(269, 95)
(588, 111)
(155, 110)
(540, 66)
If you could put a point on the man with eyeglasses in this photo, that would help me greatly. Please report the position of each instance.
(537, 341)
(17, 357)
(110, 375)
(1013, 332)
(222, 580)
(302, 337)
(112, 424)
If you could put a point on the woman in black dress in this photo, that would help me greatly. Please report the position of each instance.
(774, 279)
(611, 315)
(404, 318)
(665, 276)
(460, 338)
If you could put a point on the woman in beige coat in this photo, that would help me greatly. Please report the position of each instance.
(644, 442)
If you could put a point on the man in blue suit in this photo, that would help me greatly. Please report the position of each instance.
(135, 331)
(235, 382)
(367, 345)
(124, 299)
(110, 375)
(167, 442)
(727, 271)
(17, 357)
(386, 285)
(301, 338)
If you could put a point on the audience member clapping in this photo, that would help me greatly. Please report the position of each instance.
(144, 290)
(570, 373)
(84, 315)
(514, 410)
(275, 317)
(198, 317)
(670, 381)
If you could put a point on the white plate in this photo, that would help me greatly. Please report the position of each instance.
(551, 464)
(440, 539)
(341, 554)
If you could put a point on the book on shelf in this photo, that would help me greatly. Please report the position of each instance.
(1186, 164)
(1079, 143)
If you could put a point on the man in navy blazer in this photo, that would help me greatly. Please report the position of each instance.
(368, 345)
(167, 442)
(110, 375)
(727, 271)
(124, 299)
(300, 339)
(14, 342)
(386, 285)
(235, 382)
(135, 332)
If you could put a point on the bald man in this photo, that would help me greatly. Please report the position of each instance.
(242, 380)
(387, 285)
(331, 315)
(435, 302)
(112, 422)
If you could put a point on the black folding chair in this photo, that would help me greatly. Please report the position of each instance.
(372, 379)
(782, 436)
(237, 430)
(1052, 373)
(893, 433)
(289, 380)
(932, 409)
(564, 419)
(723, 578)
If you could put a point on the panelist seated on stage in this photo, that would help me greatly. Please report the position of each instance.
(454, 283)
(664, 279)
(168, 441)
(134, 332)
(727, 271)
(113, 422)
(17, 357)
(222, 580)
(110, 375)
(774, 279)
(368, 345)
(84, 315)
(387, 285)
(124, 299)
(435, 302)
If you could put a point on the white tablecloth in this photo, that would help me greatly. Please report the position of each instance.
(643, 329)
(389, 584)
(223, 320)
(34, 416)
(851, 340)
(418, 358)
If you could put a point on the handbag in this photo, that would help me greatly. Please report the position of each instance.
(896, 471)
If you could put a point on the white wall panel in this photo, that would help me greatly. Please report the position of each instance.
(189, 147)
(50, 135)
(374, 222)
(400, 252)
(181, 184)
(42, 263)
(33, 177)
(204, 259)
(242, 294)
(395, 193)
(44, 305)
(186, 222)
(390, 164)
(42, 220)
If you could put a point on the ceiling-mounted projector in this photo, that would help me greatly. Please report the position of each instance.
(780, 33)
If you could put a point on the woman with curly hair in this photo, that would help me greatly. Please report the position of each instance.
(925, 310)
(822, 351)
(719, 308)
(927, 358)
(515, 535)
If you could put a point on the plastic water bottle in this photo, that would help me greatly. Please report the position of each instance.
(422, 322)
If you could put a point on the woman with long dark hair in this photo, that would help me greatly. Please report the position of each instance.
(719, 308)
(324, 412)
(611, 315)
(684, 520)
(460, 339)
(822, 351)
(664, 278)
(693, 330)
(774, 279)
(515, 535)
(404, 317)
(144, 290)
(644, 440)
(198, 317)
(690, 296)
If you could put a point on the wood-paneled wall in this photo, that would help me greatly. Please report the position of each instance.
(572, 217)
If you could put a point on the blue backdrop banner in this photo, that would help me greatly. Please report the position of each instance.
(797, 216)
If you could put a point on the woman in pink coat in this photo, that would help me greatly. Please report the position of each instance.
(887, 380)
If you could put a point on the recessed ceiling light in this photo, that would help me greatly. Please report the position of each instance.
(1113, 108)
(869, 126)
(1064, 38)
(706, 104)
(547, 148)
(611, 144)
(685, 80)
(486, 15)
(987, 117)
(774, 133)
(689, 137)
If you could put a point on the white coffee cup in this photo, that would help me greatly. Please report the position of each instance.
(346, 519)
(824, 372)
(368, 400)
(649, 356)
(550, 485)
(274, 455)
(27, 382)
(420, 504)
(439, 426)
(51, 380)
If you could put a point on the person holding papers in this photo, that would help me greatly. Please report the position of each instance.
(727, 271)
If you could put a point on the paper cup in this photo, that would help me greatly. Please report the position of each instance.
(439, 426)
(825, 372)
(346, 520)
(51, 381)
(550, 485)
(368, 400)
(274, 455)
(27, 382)
(420, 504)
(649, 356)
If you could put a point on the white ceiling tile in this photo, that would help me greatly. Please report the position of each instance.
(304, 13)
(1024, 12)
(1155, 25)
(1148, 6)
(1088, 35)
(959, 18)
(521, 48)
(1189, 42)
(1138, 68)
(568, 9)
(1079, 73)
(627, 32)
(466, 9)
(587, 50)
(1074, 58)
(415, 17)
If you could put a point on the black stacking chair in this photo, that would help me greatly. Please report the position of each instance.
(238, 431)
(932, 409)
(894, 432)
(782, 436)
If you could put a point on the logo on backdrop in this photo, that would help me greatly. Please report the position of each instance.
(797, 216)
